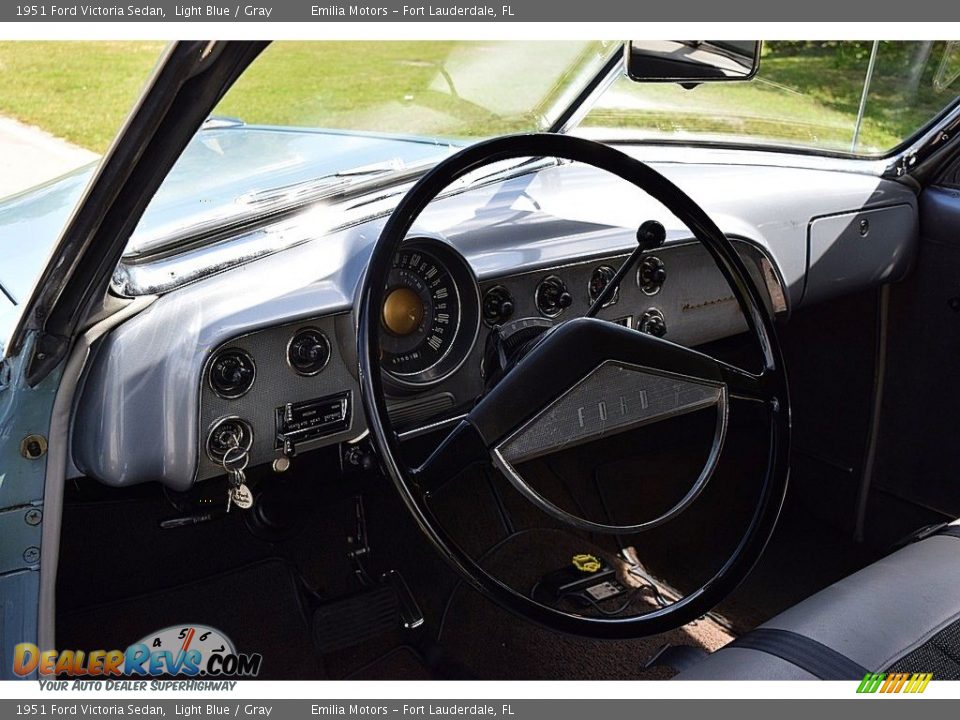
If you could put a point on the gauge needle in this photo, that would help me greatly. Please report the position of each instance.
(187, 639)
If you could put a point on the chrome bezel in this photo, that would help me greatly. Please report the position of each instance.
(213, 361)
(536, 294)
(483, 297)
(442, 251)
(216, 424)
(616, 293)
(641, 285)
(326, 340)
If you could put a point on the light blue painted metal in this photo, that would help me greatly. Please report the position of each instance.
(18, 616)
(23, 411)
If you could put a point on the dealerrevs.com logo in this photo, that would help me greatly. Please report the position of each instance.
(178, 650)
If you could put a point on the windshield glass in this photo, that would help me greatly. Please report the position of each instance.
(433, 89)
(855, 97)
(309, 119)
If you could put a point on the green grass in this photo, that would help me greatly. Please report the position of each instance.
(81, 91)
(78, 91)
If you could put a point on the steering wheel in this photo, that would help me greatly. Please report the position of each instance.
(630, 378)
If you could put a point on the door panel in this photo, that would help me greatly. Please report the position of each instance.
(918, 450)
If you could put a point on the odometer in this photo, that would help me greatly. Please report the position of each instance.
(423, 336)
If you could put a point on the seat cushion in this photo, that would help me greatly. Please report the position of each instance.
(900, 608)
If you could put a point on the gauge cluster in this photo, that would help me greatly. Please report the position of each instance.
(430, 315)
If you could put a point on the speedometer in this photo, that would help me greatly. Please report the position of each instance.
(430, 313)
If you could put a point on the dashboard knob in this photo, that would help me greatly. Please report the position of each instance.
(653, 323)
(308, 351)
(552, 296)
(232, 373)
(651, 275)
(497, 306)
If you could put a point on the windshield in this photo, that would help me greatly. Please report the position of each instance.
(309, 119)
(863, 98)
(428, 89)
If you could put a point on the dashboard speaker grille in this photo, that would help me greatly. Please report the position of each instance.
(409, 413)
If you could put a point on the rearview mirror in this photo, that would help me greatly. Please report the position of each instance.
(692, 61)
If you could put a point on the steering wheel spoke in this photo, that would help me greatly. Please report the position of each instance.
(743, 385)
(463, 448)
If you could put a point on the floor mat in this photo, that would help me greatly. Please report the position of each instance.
(402, 663)
(257, 606)
(515, 649)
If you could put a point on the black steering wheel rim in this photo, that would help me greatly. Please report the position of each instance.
(759, 321)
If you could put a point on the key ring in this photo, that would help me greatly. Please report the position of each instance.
(242, 456)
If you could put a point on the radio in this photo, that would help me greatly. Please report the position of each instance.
(311, 419)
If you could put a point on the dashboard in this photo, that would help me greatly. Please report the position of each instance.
(264, 355)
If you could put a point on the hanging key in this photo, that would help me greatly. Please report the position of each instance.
(234, 462)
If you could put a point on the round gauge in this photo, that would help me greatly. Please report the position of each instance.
(430, 313)
(232, 373)
(599, 279)
(308, 352)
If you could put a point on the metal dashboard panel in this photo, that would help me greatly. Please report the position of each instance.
(277, 384)
(695, 300)
(142, 411)
(859, 249)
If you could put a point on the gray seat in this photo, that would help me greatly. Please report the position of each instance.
(901, 614)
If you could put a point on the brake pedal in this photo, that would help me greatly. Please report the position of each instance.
(343, 623)
(375, 611)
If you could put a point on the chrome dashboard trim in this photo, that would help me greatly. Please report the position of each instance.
(430, 427)
(536, 293)
(616, 293)
(265, 235)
